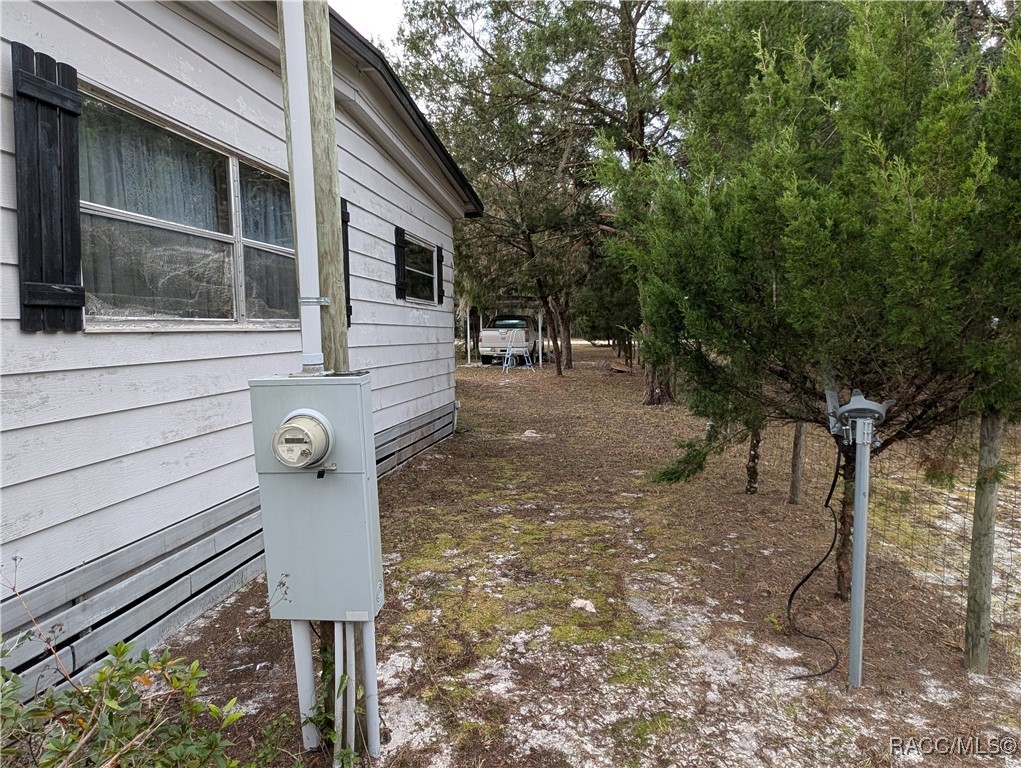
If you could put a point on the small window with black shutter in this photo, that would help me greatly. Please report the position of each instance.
(418, 268)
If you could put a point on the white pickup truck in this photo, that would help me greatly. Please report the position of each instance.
(505, 330)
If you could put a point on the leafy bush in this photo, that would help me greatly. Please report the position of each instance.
(131, 712)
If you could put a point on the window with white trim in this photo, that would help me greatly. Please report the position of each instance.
(175, 230)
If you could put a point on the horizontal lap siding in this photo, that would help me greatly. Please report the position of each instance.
(39, 352)
(407, 346)
(8, 191)
(44, 503)
(72, 543)
(97, 439)
(34, 399)
(112, 437)
(90, 610)
(8, 219)
(58, 594)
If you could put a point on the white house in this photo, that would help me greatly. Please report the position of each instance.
(147, 272)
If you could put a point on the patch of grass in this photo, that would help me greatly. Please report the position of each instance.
(630, 669)
(823, 698)
(574, 634)
(566, 559)
(634, 734)
(452, 693)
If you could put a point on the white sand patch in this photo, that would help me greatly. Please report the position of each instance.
(411, 726)
(781, 652)
(494, 675)
(394, 670)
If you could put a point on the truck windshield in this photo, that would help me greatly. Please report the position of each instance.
(510, 324)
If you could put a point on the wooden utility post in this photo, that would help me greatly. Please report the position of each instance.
(983, 535)
(325, 176)
(327, 184)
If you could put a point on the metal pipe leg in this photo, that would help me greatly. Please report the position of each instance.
(301, 639)
(371, 687)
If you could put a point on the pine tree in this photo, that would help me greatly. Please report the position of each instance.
(827, 226)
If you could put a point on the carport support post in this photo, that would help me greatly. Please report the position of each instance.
(863, 454)
(540, 339)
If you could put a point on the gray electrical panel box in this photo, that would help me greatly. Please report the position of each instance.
(316, 458)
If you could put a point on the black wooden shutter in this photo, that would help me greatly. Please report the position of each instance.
(400, 268)
(46, 109)
(345, 217)
(439, 274)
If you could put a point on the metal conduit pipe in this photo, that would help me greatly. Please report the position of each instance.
(371, 684)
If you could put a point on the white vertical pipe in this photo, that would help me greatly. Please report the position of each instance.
(303, 189)
(371, 687)
(352, 683)
(468, 334)
(339, 670)
(863, 453)
(301, 639)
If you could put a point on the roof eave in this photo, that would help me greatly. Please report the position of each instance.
(346, 36)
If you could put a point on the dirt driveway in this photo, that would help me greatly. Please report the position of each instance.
(548, 606)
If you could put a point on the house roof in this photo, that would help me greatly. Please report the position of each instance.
(346, 36)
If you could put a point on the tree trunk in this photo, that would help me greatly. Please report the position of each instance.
(657, 387)
(558, 353)
(752, 467)
(551, 326)
(845, 523)
(657, 382)
(983, 531)
(474, 329)
(551, 334)
(564, 315)
(797, 463)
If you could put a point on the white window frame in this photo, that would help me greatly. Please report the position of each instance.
(235, 238)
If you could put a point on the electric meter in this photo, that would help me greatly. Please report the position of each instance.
(315, 452)
(303, 440)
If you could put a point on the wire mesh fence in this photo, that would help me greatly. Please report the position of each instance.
(920, 514)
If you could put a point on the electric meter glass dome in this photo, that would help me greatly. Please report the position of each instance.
(301, 441)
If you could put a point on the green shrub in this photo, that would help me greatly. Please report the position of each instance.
(143, 711)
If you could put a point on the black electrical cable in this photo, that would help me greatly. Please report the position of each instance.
(816, 567)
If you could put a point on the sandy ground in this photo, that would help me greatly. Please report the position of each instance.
(549, 606)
